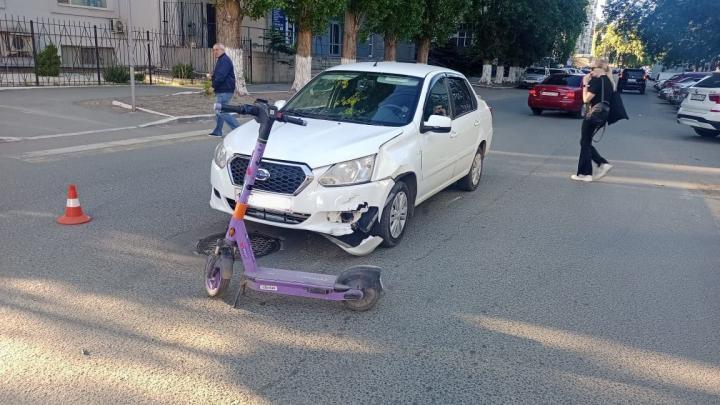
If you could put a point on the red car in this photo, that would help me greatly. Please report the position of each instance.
(560, 92)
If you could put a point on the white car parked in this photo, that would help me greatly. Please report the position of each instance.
(380, 139)
(701, 108)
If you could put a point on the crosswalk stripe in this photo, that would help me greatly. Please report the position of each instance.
(41, 155)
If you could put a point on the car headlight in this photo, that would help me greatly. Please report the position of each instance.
(350, 172)
(220, 155)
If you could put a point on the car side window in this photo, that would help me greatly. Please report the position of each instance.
(463, 101)
(438, 100)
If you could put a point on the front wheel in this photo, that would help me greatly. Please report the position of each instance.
(706, 133)
(472, 179)
(395, 215)
(215, 285)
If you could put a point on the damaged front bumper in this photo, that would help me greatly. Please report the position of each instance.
(344, 214)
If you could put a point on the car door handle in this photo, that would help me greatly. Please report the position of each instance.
(453, 134)
(477, 123)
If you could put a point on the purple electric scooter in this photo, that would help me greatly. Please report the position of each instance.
(358, 287)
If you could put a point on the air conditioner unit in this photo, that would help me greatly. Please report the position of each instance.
(118, 26)
(14, 45)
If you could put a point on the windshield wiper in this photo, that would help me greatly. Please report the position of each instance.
(304, 114)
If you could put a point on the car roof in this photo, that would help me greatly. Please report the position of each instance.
(399, 68)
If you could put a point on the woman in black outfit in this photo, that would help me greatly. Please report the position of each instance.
(595, 84)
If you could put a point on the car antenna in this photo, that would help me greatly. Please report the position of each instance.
(376, 61)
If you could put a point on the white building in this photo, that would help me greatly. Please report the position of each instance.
(584, 46)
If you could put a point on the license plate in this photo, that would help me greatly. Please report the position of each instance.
(269, 201)
(549, 93)
(631, 80)
(697, 97)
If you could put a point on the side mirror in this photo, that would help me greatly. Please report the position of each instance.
(280, 104)
(437, 123)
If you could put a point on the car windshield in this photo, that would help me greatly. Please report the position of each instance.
(533, 71)
(360, 97)
(564, 80)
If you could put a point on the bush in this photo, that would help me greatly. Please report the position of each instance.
(139, 77)
(117, 74)
(48, 61)
(183, 71)
(207, 88)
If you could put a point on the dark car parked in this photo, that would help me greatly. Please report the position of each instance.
(632, 79)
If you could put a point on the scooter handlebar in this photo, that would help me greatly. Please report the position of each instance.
(240, 108)
(282, 117)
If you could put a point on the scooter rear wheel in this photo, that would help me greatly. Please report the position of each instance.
(371, 295)
(215, 285)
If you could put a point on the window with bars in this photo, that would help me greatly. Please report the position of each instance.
(464, 36)
(335, 39)
(85, 3)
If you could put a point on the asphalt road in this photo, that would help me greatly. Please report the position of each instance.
(533, 289)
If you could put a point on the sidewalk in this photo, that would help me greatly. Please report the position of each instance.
(193, 103)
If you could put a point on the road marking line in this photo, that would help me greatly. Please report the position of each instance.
(124, 143)
(129, 107)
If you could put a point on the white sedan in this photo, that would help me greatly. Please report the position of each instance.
(380, 139)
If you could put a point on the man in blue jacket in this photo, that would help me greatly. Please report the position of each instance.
(223, 82)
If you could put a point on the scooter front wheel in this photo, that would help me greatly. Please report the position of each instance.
(215, 285)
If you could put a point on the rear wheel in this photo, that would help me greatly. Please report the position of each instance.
(371, 295)
(537, 111)
(706, 133)
(472, 179)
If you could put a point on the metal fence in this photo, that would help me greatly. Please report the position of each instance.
(37, 52)
(47, 52)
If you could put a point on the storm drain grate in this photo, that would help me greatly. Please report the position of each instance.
(262, 245)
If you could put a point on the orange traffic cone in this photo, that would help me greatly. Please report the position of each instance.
(73, 212)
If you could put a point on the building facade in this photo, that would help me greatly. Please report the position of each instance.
(584, 46)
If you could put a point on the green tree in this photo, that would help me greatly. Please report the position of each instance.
(310, 16)
(620, 49)
(672, 31)
(229, 16)
(396, 20)
(439, 20)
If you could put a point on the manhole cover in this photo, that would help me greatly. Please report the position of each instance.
(262, 245)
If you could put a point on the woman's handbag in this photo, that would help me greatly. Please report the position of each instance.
(598, 114)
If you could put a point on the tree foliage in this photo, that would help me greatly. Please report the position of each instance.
(672, 31)
(395, 20)
(621, 49)
(439, 20)
(524, 31)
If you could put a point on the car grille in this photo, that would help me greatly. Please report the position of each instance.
(284, 178)
(273, 216)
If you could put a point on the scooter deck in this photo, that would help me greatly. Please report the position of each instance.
(265, 274)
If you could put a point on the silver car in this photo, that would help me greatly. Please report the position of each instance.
(533, 76)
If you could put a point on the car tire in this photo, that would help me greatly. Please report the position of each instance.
(706, 133)
(471, 181)
(395, 215)
(642, 91)
(537, 111)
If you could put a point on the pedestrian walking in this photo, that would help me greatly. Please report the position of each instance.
(598, 87)
(223, 82)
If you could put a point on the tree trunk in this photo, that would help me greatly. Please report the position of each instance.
(499, 73)
(486, 77)
(423, 50)
(228, 34)
(350, 34)
(303, 59)
(390, 47)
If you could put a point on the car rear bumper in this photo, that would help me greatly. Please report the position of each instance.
(556, 103)
(697, 121)
(631, 86)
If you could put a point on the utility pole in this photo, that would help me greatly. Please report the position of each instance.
(131, 55)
